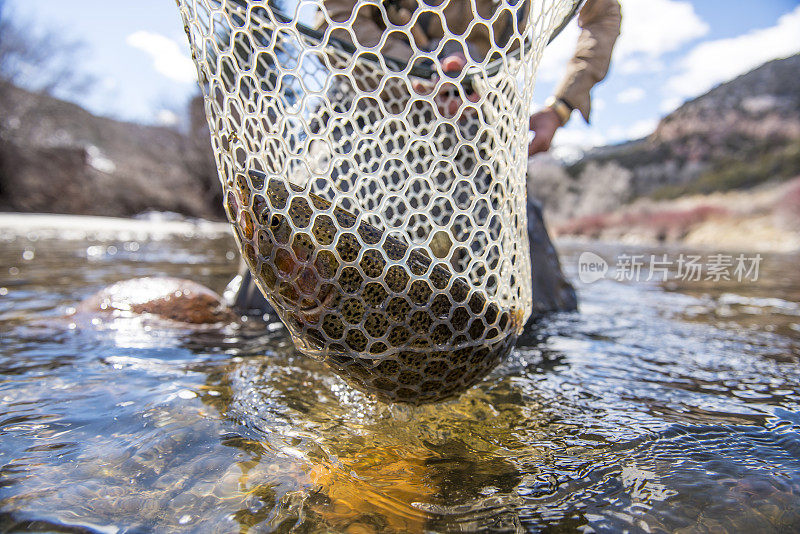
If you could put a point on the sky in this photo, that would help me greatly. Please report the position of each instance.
(669, 51)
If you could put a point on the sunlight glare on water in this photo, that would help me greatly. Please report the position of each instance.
(655, 409)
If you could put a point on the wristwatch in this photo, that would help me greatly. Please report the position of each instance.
(561, 107)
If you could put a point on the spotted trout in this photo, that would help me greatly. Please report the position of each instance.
(381, 313)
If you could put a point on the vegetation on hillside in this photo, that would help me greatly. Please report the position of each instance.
(740, 173)
(663, 224)
(739, 135)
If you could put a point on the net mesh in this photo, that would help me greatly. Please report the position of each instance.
(380, 202)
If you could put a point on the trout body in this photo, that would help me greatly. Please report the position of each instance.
(381, 313)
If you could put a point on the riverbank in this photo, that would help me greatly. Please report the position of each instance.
(764, 219)
(98, 227)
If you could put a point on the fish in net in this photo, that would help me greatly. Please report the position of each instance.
(380, 202)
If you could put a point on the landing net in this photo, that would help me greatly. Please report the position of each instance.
(380, 201)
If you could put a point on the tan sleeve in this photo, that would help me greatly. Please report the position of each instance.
(365, 27)
(600, 25)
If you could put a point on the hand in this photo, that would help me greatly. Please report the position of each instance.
(543, 124)
(447, 100)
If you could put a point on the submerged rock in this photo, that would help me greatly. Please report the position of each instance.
(163, 298)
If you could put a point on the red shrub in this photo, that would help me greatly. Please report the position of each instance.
(673, 223)
(589, 226)
(788, 208)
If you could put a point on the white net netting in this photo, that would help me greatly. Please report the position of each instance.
(380, 202)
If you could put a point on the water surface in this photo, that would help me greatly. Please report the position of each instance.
(657, 408)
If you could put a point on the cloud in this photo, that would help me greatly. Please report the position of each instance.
(637, 130)
(616, 134)
(717, 61)
(109, 83)
(578, 136)
(670, 104)
(635, 65)
(167, 117)
(631, 95)
(641, 128)
(168, 59)
(557, 53)
(598, 104)
(650, 29)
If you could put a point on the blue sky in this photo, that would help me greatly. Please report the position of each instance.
(670, 51)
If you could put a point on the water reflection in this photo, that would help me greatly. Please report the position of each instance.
(635, 414)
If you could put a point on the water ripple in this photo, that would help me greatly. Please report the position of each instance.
(652, 410)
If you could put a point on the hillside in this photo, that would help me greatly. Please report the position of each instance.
(741, 134)
(55, 157)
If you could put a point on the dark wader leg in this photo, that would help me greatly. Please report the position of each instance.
(552, 292)
(244, 297)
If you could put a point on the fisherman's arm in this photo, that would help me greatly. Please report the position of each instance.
(600, 22)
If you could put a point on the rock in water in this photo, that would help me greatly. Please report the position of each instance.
(162, 298)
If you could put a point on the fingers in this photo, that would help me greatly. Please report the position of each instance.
(450, 105)
(422, 88)
(454, 63)
(448, 99)
(539, 144)
(543, 124)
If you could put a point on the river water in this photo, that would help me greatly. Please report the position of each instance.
(660, 407)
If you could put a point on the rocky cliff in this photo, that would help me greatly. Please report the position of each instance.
(56, 157)
(738, 135)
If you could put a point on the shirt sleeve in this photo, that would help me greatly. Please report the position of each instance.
(600, 22)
